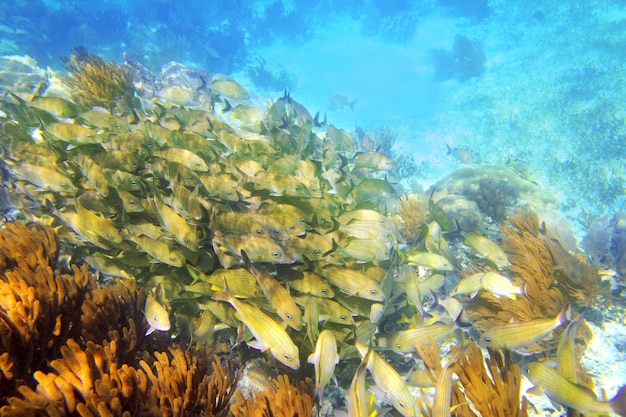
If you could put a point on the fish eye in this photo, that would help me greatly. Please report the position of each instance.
(398, 346)
(287, 356)
(487, 339)
(572, 274)
(276, 232)
(63, 185)
(343, 317)
(526, 370)
(259, 232)
(289, 316)
(133, 183)
(324, 291)
(172, 259)
(317, 252)
(110, 236)
(276, 255)
(186, 240)
(132, 204)
(401, 404)
(373, 292)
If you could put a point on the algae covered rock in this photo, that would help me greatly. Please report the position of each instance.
(493, 189)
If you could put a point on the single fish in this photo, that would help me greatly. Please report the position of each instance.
(373, 160)
(227, 87)
(487, 248)
(156, 315)
(431, 260)
(278, 297)
(269, 334)
(339, 102)
(353, 282)
(500, 285)
(443, 387)
(324, 358)
(407, 340)
(390, 382)
(572, 395)
(517, 336)
(358, 404)
(461, 154)
(567, 363)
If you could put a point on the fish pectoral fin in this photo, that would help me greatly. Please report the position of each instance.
(536, 390)
(258, 345)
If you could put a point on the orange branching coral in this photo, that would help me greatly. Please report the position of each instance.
(281, 400)
(115, 313)
(89, 382)
(38, 310)
(412, 211)
(98, 83)
(493, 386)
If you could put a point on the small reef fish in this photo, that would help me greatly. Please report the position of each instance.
(492, 282)
(407, 340)
(443, 387)
(157, 316)
(325, 358)
(278, 297)
(227, 87)
(566, 266)
(487, 248)
(269, 334)
(461, 154)
(339, 102)
(390, 383)
(567, 363)
(373, 160)
(358, 404)
(517, 336)
(431, 260)
(572, 395)
(353, 282)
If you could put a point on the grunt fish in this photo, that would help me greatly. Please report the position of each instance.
(156, 315)
(324, 358)
(431, 260)
(517, 336)
(390, 382)
(269, 334)
(572, 395)
(487, 248)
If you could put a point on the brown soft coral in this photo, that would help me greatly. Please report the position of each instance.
(531, 267)
(95, 82)
(412, 213)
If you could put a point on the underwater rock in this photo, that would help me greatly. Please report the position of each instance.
(618, 242)
(605, 241)
(462, 211)
(496, 188)
(21, 75)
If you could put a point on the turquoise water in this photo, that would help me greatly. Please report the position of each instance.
(549, 91)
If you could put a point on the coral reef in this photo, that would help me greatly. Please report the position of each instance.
(466, 60)
(281, 400)
(70, 347)
(38, 309)
(412, 212)
(95, 82)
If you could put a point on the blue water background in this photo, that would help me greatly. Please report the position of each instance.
(550, 93)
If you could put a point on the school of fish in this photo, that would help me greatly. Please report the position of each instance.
(266, 216)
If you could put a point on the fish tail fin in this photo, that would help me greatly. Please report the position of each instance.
(618, 403)
(352, 103)
(449, 149)
(566, 314)
(224, 295)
